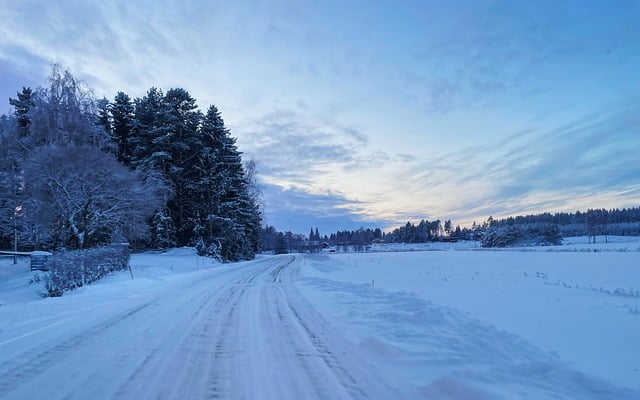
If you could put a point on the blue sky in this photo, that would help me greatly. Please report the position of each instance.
(374, 113)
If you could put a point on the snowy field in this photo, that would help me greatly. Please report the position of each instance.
(504, 323)
(556, 322)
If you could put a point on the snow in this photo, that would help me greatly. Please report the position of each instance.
(497, 316)
(554, 322)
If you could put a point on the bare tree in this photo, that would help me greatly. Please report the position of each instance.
(87, 193)
(64, 112)
(254, 188)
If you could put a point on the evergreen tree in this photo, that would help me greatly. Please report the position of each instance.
(147, 128)
(123, 114)
(103, 118)
(22, 105)
(233, 217)
(145, 155)
(181, 141)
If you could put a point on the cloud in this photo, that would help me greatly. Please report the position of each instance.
(487, 50)
(294, 149)
(588, 162)
(307, 166)
(580, 164)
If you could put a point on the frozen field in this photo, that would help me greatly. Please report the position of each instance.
(554, 323)
(503, 322)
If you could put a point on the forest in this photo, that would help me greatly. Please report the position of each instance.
(155, 172)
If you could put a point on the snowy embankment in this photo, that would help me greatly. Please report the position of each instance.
(492, 324)
(415, 324)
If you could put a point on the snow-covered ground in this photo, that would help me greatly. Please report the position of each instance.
(467, 324)
(507, 323)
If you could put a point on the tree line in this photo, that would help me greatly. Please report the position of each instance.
(155, 171)
(592, 223)
(544, 228)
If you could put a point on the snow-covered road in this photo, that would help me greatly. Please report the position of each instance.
(238, 332)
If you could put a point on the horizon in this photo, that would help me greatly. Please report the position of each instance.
(372, 114)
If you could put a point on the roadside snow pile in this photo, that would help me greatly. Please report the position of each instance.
(490, 324)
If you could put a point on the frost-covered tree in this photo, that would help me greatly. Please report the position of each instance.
(182, 142)
(539, 233)
(147, 128)
(88, 194)
(11, 189)
(75, 155)
(103, 116)
(67, 190)
(232, 214)
(64, 112)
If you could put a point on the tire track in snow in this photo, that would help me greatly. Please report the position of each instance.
(28, 365)
(37, 361)
(225, 350)
(183, 373)
(311, 324)
(249, 334)
(265, 336)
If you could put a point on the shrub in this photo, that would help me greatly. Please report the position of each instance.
(69, 270)
(524, 234)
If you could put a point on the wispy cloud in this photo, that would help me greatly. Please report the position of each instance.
(489, 49)
(593, 159)
(294, 151)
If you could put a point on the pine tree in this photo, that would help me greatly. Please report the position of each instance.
(122, 112)
(22, 105)
(103, 118)
(147, 128)
(144, 154)
(233, 217)
(181, 140)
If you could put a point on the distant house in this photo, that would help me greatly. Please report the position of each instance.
(327, 248)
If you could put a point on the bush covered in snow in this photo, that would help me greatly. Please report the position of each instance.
(69, 270)
(211, 250)
(537, 234)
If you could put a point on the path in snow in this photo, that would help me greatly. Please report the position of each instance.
(245, 332)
